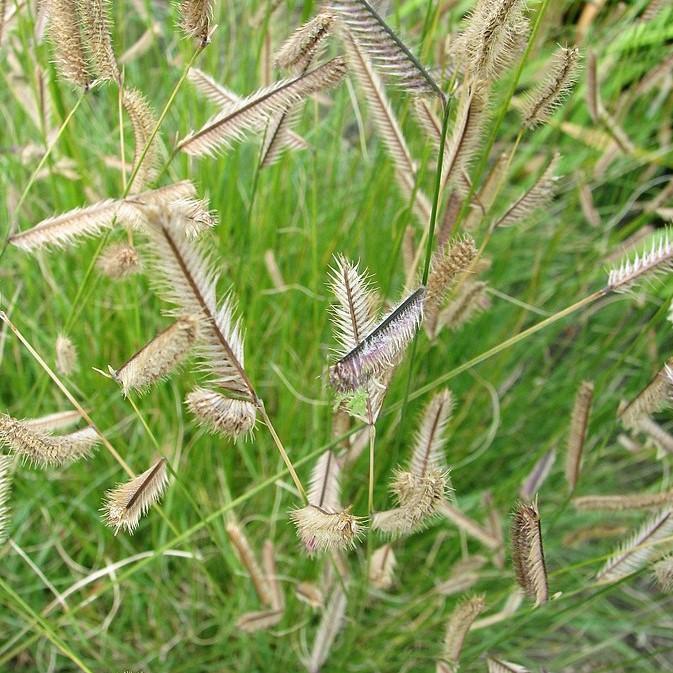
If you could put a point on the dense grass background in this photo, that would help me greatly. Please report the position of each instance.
(168, 613)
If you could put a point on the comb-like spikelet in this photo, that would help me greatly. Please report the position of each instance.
(488, 192)
(383, 46)
(382, 567)
(55, 421)
(251, 622)
(663, 572)
(249, 561)
(186, 277)
(627, 501)
(303, 45)
(502, 666)
(537, 476)
(196, 215)
(41, 448)
(428, 451)
(66, 355)
(66, 229)
(419, 500)
(64, 32)
(331, 623)
(129, 501)
(448, 266)
(658, 259)
(495, 35)
(654, 431)
(195, 19)
(457, 629)
(388, 128)
(537, 197)
(212, 90)
(637, 550)
(252, 113)
(577, 433)
(118, 261)
(5, 488)
(159, 357)
(225, 415)
(143, 123)
(548, 96)
(654, 397)
(95, 21)
(528, 554)
(323, 524)
(381, 349)
(463, 145)
(471, 299)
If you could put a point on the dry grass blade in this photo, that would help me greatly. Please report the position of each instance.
(252, 113)
(331, 623)
(647, 264)
(381, 349)
(186, 277)
(41, 448)
(65, 36)
(537, 476)
(654, 397)
(628, 501)
(5, 492)
(578, 431)
(548, 96)
(195, 19)
(456, 631)
(383, 46)
(388, 128)
(128, 502)
(428, 451)
(159, 357)
(143, 123)
(528, 554)
(95, 21)
(637, 550)
(537, 197)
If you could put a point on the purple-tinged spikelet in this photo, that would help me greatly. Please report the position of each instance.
(528, 554)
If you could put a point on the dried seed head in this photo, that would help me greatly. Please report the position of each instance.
(43, 449)
(118, 261)
(309, 593)
(258, 621)
(64, 33)
(271, 574)
(196, 17)
(227, 416)
(626, 501)
(160, 357)
(502, 666)
(457, 629)
(663, 572)
(537, 476)
(528, 554)
(125, 504)
(381, 350)
(549, 95)
(471, 300)
(447, 267)
(143, 123)
(382, 567)
(5, 488)
(578, 431)
(302, 46)
(196, 216)
(95, 20)
(56, 421)
(66, 355)
(657, 260)
(654, 397)
(637, 550)
(428, 451)
(321, 530)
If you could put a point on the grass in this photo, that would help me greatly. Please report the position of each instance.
(177, 612)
